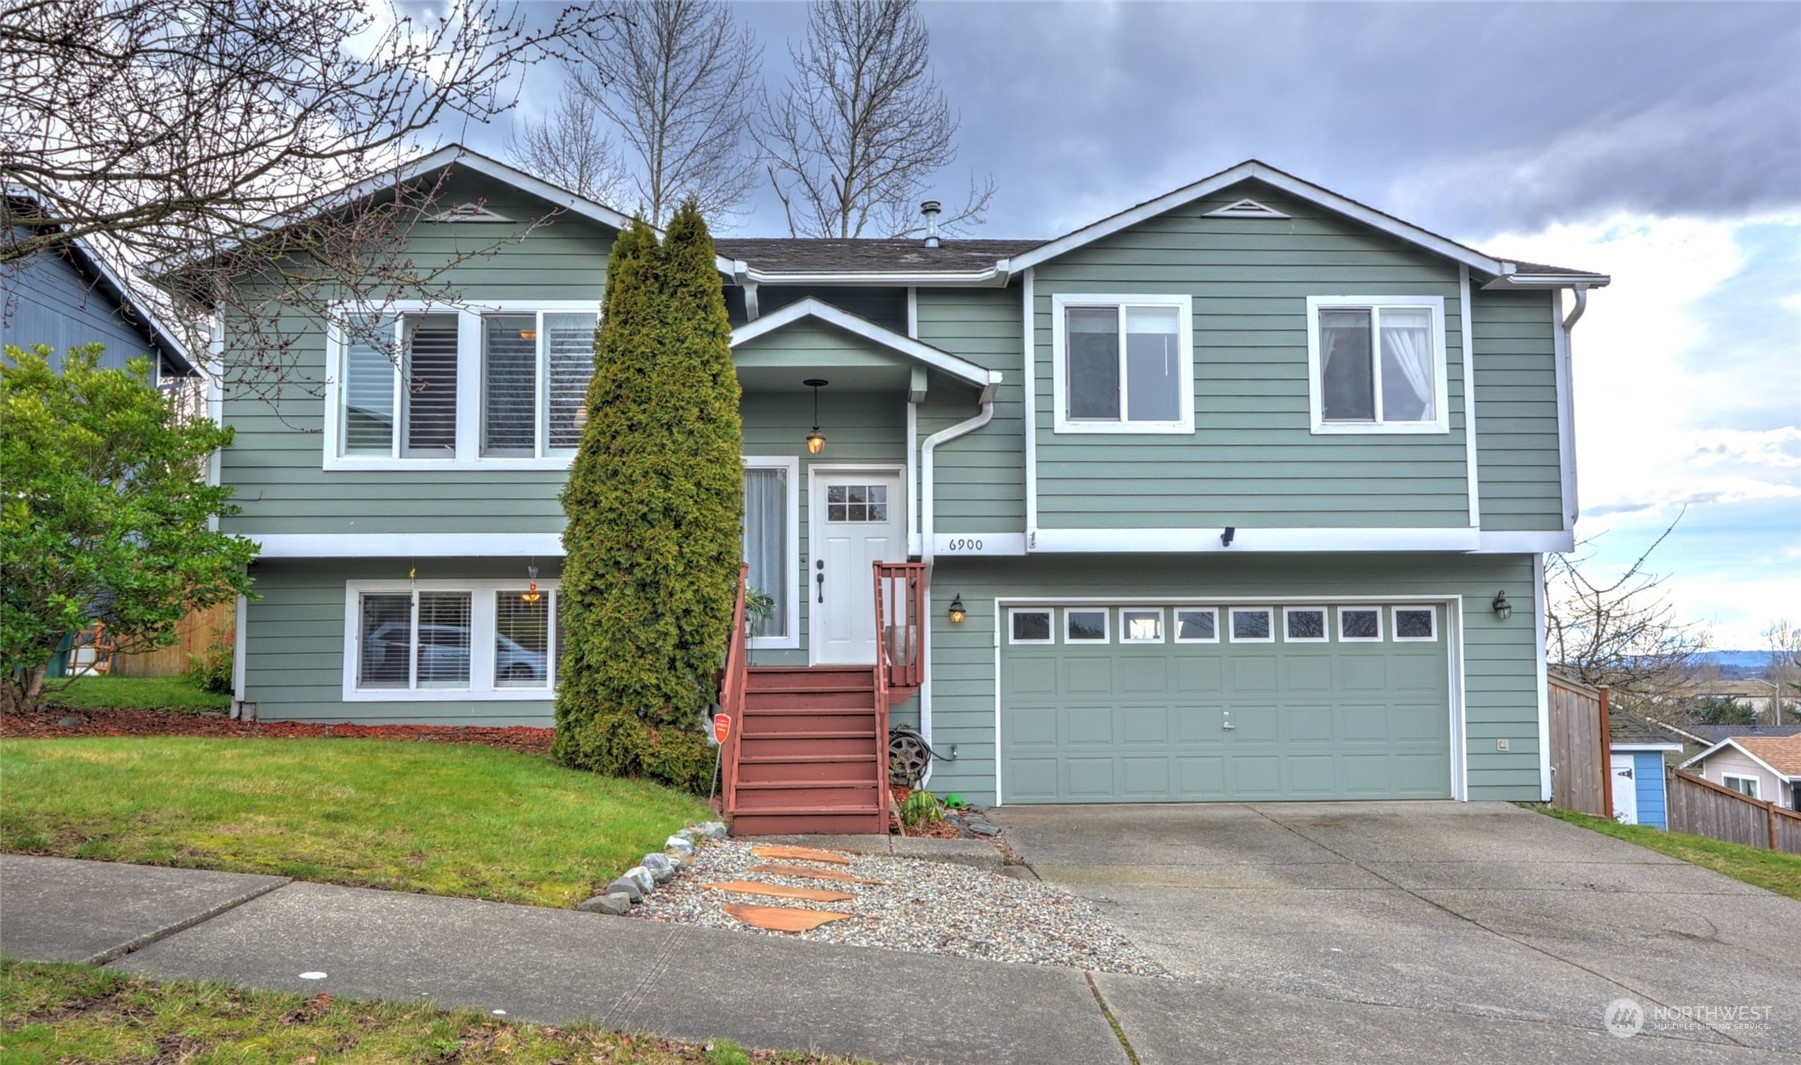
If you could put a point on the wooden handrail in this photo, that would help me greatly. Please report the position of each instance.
(733, 680)
(900, 598)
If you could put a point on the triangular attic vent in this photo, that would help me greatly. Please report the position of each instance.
(469, 212)
(1245, 209)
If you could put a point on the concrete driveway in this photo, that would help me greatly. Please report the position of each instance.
(1418, 931)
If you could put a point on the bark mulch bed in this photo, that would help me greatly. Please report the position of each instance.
(48, 723)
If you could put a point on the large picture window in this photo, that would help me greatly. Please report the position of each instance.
(461, 386)
(1123, 363)
(1377, 365)
(451, 640)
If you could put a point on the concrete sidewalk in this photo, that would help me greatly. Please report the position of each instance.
(552, 966)
(696, 984)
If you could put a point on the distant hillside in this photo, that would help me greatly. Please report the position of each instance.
(1734, 659)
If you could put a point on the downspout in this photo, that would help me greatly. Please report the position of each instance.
(1576, 311)
(927, 484)
(1566, 371)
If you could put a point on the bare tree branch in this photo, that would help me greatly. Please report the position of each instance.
(675, 77)
(571, 147)
(863, 126)
(209, 133)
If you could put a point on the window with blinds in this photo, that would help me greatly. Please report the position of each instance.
(521, 639)
(429, 389)
(510, 384)
(368, 421)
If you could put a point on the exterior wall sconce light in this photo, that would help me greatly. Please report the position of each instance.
(1225, 538)
(531, 593)
(957, 611)
(1503, 609)
(815, 439)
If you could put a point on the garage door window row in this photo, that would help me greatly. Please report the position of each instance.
(1201, 624)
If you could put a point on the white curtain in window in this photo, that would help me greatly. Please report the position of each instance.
(766, 543)
(1407, 348)
(1153, 364)
(569, 363)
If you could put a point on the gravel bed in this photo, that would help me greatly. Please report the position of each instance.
(921, 906)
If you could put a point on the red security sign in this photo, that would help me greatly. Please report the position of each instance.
(722, 727)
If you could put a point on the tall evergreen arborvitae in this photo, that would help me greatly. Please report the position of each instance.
(655, 504)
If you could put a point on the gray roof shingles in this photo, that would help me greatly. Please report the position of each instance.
(1719, 733)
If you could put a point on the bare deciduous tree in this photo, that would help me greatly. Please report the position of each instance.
(1623, 633)
(571, 147)
(210, 133)
(674, 77)
(1784, 640)
(863, 126)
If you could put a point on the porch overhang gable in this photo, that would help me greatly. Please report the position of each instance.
(917, 354)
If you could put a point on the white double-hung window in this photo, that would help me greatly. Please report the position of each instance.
(450, 640)
(1377, 364)
(1124, 364)
(461, 387)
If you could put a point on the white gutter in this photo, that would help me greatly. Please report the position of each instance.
(927, 451)
(995, 277)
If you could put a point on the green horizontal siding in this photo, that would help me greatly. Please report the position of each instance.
(277, 457)
(886, 307)
(1500, 670)
(980, 477)
(1252, 459)
(1518, 461)
(294, 643)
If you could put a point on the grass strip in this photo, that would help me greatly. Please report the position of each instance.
(466, 821)
(134, 693)
(1766, 869)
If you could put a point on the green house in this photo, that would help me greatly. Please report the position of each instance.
(1241, 494)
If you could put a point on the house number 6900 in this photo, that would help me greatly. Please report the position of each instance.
(963, 544)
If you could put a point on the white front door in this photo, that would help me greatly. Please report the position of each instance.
(1625, 791)
(855, 519)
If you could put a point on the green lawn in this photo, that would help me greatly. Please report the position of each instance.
(63, 1013)
(1771, 870)
(426, 817)
(134, 693)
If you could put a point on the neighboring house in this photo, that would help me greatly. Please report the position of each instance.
(68, 297)
(1763, 767)
(1698, 738)
(1636, 753)
(1228, 486)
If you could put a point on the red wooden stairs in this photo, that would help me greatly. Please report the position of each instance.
(808, 749)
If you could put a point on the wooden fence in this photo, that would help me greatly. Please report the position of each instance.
(1581, 777)
(1703, 808)
(197, 633)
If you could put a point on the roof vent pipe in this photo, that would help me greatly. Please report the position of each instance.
(930, 209)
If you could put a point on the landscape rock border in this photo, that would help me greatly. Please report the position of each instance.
(632, 886)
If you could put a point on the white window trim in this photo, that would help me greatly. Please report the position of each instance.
(1176, 623)
(1184, 306)
(482, 618)
(1106, 625)
(1232, 627)
(1325, 625)
(1162, 625)
(1431, 612)
(1726, 780)
(1377, 638)
(1050, 625)
(790, 642)
(469, 399)
(1441, 384)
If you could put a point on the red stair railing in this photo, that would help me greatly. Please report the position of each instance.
(900, 620)
(733, 680)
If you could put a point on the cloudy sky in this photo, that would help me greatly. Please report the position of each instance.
(1659, 143)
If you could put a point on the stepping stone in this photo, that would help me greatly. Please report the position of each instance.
(799, 854)
(801, 872)
(783, 918)
(779, 891)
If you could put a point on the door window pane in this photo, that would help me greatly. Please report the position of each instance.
(1085, 626)
(521, 640)
(1359, 624)
(1197, 626)
(1415, 623)
(1092, 357)
(1251, 626)
(1305, 624)
(1153, 365)
(1031, 626)
(1141, 626)
(430, 387)
(510, 384)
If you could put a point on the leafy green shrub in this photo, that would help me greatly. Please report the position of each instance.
(655, 502)
(211, 670)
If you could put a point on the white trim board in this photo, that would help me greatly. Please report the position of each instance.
(1249, 541)
(815, 308)
(407, 545)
